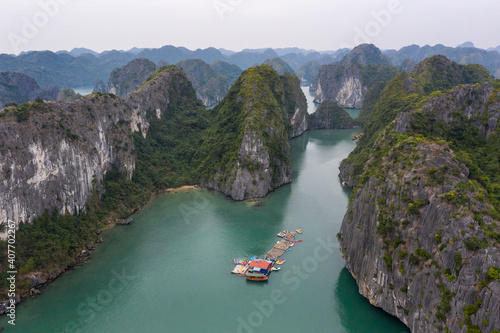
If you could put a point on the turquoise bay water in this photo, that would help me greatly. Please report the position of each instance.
(169, 270)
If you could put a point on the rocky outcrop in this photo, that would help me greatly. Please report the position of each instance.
(130, 77)
(67, 95)
(55, 155)
(386, 100)
(58, 155)
(211, 83)
(348, 81)
(19, 88)
(164, 87)
(478, 103)
(342, 84)
(296, 105)
(247, 151)
(421, 234)
(331, 116)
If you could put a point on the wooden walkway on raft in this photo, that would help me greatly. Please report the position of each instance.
(281, 246)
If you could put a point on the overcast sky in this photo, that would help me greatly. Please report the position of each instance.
(238, 24)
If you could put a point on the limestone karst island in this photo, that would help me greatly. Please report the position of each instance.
(240, 188)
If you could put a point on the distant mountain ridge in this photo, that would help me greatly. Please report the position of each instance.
(83, 67)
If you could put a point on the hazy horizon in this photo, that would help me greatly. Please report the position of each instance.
(237, 24)
(235, 51)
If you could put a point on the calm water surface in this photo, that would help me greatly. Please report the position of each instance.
(169, 270)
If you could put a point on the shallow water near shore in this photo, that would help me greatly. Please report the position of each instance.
(169, 270)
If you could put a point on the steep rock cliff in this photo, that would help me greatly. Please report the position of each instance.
(400, 95)
(295, 104)
(53, 153)
(347, 84)
(247, 152)
(348, 81)
(421, 234)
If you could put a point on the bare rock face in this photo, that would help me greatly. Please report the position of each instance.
(59, 154)
(55, 155)
(420, 235)
(296, 105)
(347, 82)
(410, 247)
(247, 153)
(342, 84)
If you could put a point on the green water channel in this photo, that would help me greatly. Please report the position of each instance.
(169, 270)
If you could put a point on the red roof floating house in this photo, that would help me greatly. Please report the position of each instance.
(258, 269)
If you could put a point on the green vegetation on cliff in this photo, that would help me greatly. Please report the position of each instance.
(403, 93)
(330, 115)
(165, 158)
(254, 104)
(424, 221)
(176, 142)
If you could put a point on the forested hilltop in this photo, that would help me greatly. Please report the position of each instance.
(421, 234)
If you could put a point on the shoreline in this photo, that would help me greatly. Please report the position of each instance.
(85, 255)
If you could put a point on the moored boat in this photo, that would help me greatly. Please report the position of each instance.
(256, 277)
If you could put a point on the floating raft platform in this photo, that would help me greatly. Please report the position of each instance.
(240, 270)
(281, 246)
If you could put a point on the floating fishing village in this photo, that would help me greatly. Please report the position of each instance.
(256, 269)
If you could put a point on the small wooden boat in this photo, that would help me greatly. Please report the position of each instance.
(299, 231)
(276, 268)
(256, 277)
